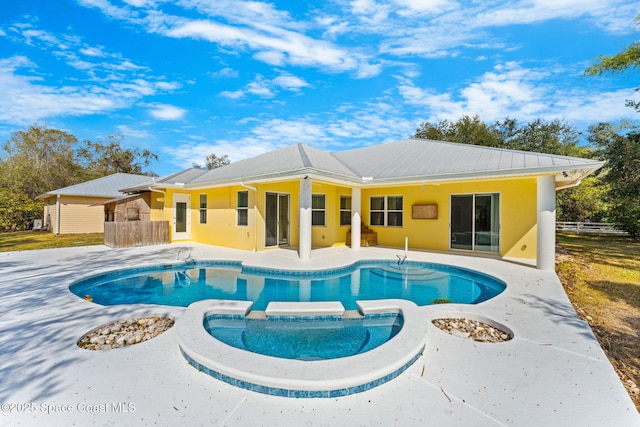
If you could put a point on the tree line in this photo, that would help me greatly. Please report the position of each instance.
(37, 160)
(610, 195)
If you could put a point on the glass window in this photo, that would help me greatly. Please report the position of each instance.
(394, 211)
(203, 209)
(318, 213)
(386, 211)
(377, 203)
(345, 210)
(377, 211)
(242, 208)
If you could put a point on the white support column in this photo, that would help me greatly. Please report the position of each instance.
(546, 250)
(356, 195)
(304, 245)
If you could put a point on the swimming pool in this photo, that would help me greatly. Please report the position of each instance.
(184, 283)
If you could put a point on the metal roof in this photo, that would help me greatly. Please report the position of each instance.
(289, 160)
(429, 159)
(174, 179)
(107, 186)
(400, 162)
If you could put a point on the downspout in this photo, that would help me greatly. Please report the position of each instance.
(165, 197)
(573, 184)
(255, 216)
(58, 215)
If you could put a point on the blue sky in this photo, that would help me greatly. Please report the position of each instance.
(185, 78)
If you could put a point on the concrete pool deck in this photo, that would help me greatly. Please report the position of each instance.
(552, 373)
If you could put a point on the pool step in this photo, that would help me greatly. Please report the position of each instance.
(394, 271)
(305, 308)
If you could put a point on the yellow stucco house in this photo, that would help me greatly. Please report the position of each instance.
(440, 196)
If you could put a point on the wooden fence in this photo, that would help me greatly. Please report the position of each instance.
(125, 234)
(588, 227)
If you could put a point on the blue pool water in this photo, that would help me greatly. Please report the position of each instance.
(317, 339)
(183, 284)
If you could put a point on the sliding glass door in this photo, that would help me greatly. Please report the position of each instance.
(475, 222)
(276, 220)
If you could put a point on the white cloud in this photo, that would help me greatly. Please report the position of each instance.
(613, 15)
(110, 10)
(92, 51)
(225, 72)
(236, 94)
(26, 99)
(132, 133)
(586, 107)
(260, 87)
(510, 90)
(370, 11)
(167, 112)
(141, 3)
(334, 26)
(265, 88)
(352, 127)
(168, 86)
(271, 44)
(290, 82)
(424, 7)
(271, 35)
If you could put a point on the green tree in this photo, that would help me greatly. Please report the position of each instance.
(554, 137)
(34, 161)
(213, 161)
(621, 174)
(625, 60)
(38, 160)
(622, 153)
(101, 159)
(585, 203)
(466, 130)
(622, 61)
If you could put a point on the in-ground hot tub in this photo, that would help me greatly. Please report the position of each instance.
(301, 377)
(305, 337)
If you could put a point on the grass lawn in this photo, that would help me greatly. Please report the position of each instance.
(29, 240)
(601, 275)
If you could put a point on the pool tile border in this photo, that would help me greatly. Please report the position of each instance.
(293, 393)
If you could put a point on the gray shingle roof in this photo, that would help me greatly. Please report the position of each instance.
(108, 186)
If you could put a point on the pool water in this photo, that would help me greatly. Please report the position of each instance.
(317, 339)
(183, 284)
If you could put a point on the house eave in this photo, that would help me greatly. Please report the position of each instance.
(565, 175)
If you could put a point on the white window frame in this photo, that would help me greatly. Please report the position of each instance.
(345, 210)
(244, 209)
(386, 211)
(203, 210)
(322, 210)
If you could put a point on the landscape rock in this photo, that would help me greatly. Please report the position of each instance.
(471, 329)
(124, 333)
